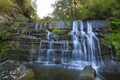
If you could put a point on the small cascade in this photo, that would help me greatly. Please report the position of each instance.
(18, 31)
(40, 26)
(29, 32)
(45, 55)
(48, 34)
(65, 56)
(40, 56)
(52, 52)
(36, 26)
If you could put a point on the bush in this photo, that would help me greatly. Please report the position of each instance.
(114, 37)
(56, 31)
(115, 40)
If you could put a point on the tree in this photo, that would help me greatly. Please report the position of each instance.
(92, 9)
(28, 9)
(66, 9)
(85, 9)
(13, 8)
(7, 7)
(17, 12)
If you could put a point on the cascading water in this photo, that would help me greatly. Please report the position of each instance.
(52, 51)
(18, 31)
(85, 51)
(45, 55)
(36, 26)
(40, 26)
(86, 46)
(82, 50)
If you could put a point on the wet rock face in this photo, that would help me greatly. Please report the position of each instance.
(88, 73)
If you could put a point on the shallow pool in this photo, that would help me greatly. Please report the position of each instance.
(57, 72)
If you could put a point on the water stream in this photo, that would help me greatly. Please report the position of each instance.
(86, 50)
(86, 47)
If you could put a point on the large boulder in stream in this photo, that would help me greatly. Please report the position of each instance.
(88, 73)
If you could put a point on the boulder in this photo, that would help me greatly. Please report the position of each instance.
(88, 73)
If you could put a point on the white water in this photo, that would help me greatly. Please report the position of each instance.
(36, 26)
(86, 48)
(18, 31)
(40, 26)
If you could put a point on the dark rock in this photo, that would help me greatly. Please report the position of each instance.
(1, 60)
(88, 73)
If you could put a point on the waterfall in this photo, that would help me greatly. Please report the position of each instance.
(86, 45)
(84, 48)
(36, 26)
(48, 34)
(40, 26)
(40, 54)
(18, 31)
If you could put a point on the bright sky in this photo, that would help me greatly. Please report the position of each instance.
(44, 7)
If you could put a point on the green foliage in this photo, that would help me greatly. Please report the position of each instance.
(6, 6)
(115, 39)
(24, 31)
(6, 37)
(4, 34)
(85, 9)
(65, 10)
(69, 33)
(99, 9)
(13, 8)
(16, 13)
(92, 9)
(19, 18)
(56, 31)
(30, 10)
(115, 23)
(68, 23)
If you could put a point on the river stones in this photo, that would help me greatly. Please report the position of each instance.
(88, 73)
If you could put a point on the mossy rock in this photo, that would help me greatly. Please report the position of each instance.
(88, 73)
